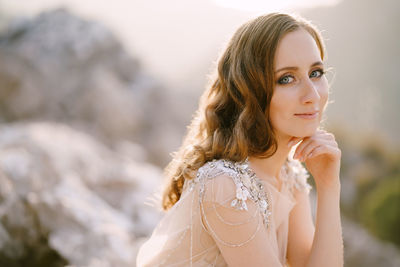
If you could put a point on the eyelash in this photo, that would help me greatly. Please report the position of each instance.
(322, 72)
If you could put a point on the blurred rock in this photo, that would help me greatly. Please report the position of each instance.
(63, 186)
(362, 249)
(59, 67)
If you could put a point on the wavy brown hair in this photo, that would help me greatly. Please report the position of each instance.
(232, 121)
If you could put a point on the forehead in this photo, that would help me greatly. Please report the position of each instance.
(296, 49)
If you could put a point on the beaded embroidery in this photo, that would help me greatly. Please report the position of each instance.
(248, 186)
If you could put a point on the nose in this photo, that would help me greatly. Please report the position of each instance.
(310, 92)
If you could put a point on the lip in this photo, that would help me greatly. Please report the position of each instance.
(308, 115)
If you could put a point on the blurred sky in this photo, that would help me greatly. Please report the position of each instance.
(178, 42)
(260, 6)
(153, 29)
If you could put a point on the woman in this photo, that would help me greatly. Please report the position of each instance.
(237, 194)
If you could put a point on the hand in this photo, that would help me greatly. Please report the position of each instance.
(321, 154)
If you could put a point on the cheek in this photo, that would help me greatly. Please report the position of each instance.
(323, 91)
(280, 108)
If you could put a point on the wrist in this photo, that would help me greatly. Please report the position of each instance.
(329, 195)
(333, 187)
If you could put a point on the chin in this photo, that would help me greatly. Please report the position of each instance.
(301, 133)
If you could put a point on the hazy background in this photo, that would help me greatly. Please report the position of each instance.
(177, 41)
(95, 95)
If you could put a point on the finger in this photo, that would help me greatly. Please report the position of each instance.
(311, 153)
(294, 140)
(307, 145)
(321, 135)
(328, 136)
(308, 148)
(334, 152)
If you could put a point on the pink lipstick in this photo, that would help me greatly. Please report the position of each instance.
(308, 115)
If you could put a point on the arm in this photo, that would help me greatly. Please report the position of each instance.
(327, 247)
(240, 235)
(321, 154)
(301, 230)
(322, 246)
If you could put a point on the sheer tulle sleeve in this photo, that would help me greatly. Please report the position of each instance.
(236, 222)
(298, 177)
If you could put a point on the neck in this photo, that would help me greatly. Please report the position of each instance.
(267, 168)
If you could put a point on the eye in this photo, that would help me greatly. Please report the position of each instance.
(286, 79)
(317, 73)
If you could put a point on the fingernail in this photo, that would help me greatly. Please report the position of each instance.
(290, 143)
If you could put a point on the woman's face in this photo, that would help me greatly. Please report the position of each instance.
(300, 86)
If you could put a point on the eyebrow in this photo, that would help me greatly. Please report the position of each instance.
(295, 68)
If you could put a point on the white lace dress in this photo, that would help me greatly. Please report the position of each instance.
(227, 209)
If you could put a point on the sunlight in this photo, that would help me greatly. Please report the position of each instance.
(261, 6)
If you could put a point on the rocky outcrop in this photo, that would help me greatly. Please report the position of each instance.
(59, 67)
(60, 185)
